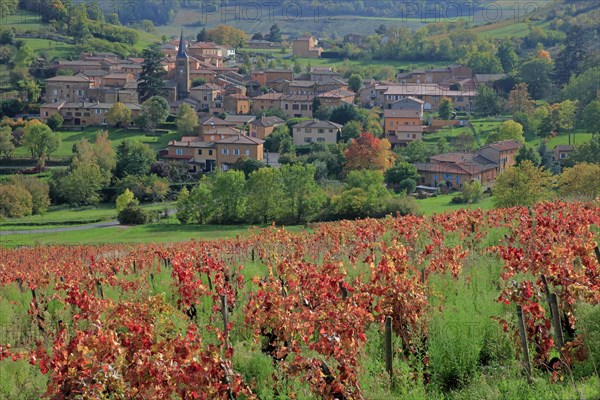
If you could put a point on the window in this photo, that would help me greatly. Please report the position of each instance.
(247, 152)
(236, 152)
(225, 152)
(78, 114)
(86, 114)
(55, 92)
(562, 155)
(210, 152)
(45, 113)
(212, 137)
(308, 140)
(295, 106)
(179, 152)
(303, 107)
(285, 106)
(199, 152)
(69, 114)
(321, 131)
(98, 111)
(320, 139)
(307, 130)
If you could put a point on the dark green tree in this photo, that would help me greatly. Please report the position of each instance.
(134, 158)
(150, 82)
(274, 34)
(487, 101)
(507, 56)
(570, 59)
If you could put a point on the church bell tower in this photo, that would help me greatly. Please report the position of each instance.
(182, 70)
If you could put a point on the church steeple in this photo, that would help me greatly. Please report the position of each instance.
(182, 53)
(182, 70)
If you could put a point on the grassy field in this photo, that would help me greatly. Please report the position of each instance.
(170, 231)
(69, 138)
(51, 48)
(442, 203)
(63, 216)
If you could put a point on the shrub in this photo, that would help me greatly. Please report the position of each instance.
(38, 189)
(15, 201)
(134, 215)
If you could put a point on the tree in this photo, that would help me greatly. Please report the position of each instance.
(550, 123)
(274, 34)
(248, 165)
(369, 152)
(522, 185)
(258, 36)
(567, 111)
(150, 81)
(355, 82)
(228, 36)
(15, 201)
(8, 7)
(396, 176)
(37, 188)
(351, 130)
(197, 206)
(280, 134)
(536, 74)
(590, 117)
(471, 192)
(487, 101)
(81, 186)
(124, 200)
(202, 36)
(40, 141)
(266, 196)
(7, 147)
(507, 56)
(583, 87)
(30, 90)
(519, 100)
(528, 153)
(134, 158)
(344, 113)
(154, 112)
(464, 142)
(416, 151)
(580, 181)
(509, 130)
(442, 146)
(445, 108)
(229, 196)
(305, 197)
(198, 82)
(55, 121)
(105, 154)
(588, 152)
(149, 187)
(483, 62)
(570, 59)
(119, 115)
(187, 120)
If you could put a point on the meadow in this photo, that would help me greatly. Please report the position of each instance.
(116, 135)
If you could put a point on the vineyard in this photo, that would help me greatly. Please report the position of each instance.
(407, 307)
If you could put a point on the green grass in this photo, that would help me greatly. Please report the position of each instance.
(62, 216)
(23, 21)
(171, 231)
(579, 137)
(441, 203)
(51, 48)
(69, 138)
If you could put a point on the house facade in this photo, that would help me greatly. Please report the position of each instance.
(262, 127)
(403, 122)
(452, 170)
(306, 47)
(316, 131)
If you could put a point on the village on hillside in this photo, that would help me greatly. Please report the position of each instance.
(85, 90)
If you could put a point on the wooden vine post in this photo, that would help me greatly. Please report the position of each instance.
(524, 345)
(388, 349)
